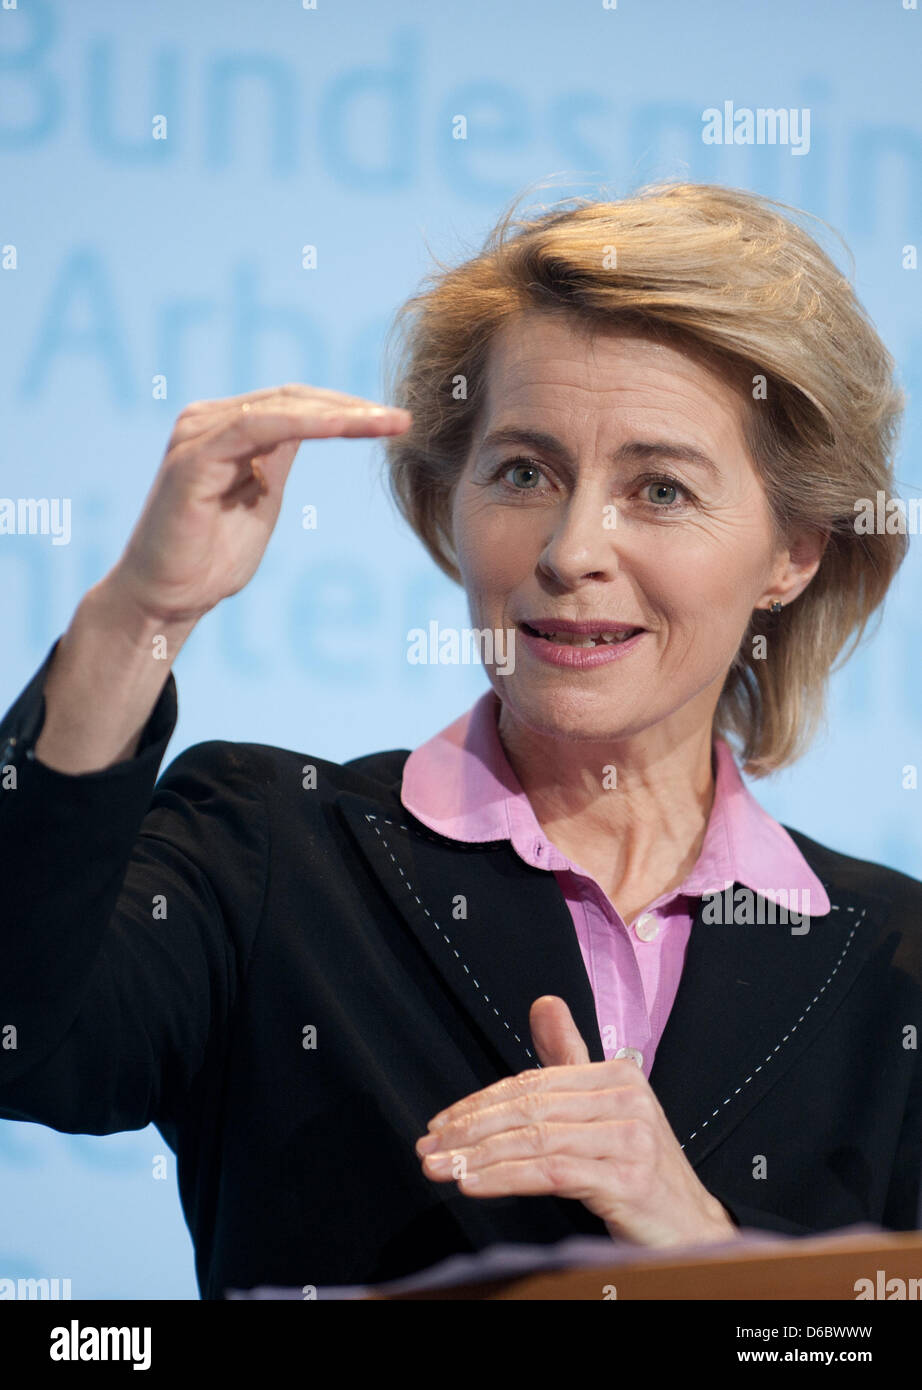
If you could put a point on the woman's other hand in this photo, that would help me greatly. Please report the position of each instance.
(592, 1131)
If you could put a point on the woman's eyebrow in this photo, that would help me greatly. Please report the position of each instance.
(634, 451)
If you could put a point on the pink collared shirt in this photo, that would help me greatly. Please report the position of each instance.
(460, 784)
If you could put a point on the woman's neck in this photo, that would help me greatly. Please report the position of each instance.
(632, 813)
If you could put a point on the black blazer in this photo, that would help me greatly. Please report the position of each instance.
(165, 953)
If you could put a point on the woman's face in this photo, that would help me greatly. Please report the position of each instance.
(638, 504)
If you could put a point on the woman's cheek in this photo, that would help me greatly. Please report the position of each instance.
(493, 561)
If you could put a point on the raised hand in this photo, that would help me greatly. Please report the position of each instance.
(216, 498)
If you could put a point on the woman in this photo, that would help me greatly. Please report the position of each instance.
(492, 990)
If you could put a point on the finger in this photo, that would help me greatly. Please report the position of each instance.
(292, 389)
(554, 1175)
(615, 1141)
(261, 430)
(260, 477)
(539, 1107)
(592, 1076)
(201, 417)
(558, 1041)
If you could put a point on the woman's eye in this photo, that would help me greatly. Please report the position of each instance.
(659, 493)
(663, 493)
(525, 476)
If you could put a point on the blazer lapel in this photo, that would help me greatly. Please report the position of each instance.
(497, 930)
(751, 999)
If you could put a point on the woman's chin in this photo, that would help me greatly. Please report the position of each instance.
(576, 717)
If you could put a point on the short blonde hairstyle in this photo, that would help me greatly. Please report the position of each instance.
(722, 273)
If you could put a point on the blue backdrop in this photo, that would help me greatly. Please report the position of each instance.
(163, 168)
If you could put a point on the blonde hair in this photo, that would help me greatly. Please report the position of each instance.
(719, 272)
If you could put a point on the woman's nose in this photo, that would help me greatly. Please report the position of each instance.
(582, 541)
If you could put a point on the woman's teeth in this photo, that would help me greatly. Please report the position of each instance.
(580, 639)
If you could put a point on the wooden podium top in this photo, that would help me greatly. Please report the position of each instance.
(812, 1267)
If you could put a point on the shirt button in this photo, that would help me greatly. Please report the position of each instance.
(646, 926)
(632, 1053)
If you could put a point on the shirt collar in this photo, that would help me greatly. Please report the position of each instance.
(460, 784)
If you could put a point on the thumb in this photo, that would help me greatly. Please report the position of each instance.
(556, 1037)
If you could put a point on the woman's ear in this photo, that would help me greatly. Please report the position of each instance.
(798, 562)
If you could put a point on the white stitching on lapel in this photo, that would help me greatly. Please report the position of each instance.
(835, 908)
(437, 925)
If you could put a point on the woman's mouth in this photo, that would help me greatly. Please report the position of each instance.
(580, 651)
(583, 639)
